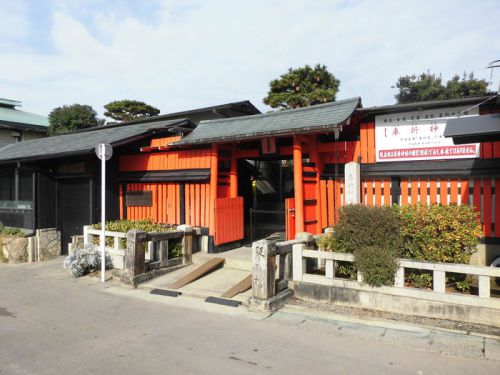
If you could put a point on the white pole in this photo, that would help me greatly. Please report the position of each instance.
(103, 212)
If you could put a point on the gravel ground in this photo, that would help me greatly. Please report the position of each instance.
(368, 314)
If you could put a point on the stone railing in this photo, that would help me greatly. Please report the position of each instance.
(269, 278)
(439, 270)
(116, 252)
(137, 270)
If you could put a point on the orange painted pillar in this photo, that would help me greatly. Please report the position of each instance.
(314, 154)
(233, 173)
(297, 184)
(214, 176)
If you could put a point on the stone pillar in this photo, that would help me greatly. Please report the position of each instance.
(330, 269)
(86, 236)
(134, 256)
(187, 243)
(298, 262)
(352, 183)
(439, 281)
(484, 286)
(263, 268)
(399, 280)
(163, 251)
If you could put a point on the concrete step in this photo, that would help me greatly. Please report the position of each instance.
(198, 273)
(237, 267)
(240, 259)
(215, 284)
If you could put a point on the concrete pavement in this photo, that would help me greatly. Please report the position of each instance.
(51, 323)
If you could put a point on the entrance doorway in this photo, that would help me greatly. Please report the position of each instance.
(75, 208)
(265, 186)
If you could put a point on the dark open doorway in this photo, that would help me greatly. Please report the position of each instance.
(75, 208)
(264, 186)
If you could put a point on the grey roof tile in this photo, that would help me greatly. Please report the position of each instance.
(315, 118)
(80, 142)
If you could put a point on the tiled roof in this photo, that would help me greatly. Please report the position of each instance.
(11, 115)
(83, 141)
(315, 118)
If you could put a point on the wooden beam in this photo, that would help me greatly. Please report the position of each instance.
(297, 182)
(198, 273)
(233, 173)
(214, 176)
(241, 287)
(313, 142)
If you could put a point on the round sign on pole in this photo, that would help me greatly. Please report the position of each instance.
(108, 151)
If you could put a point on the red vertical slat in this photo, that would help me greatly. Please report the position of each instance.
(433, 191)
(487, 206)
(331, 202)
(197, 207)
(337, 200)
(414, 191)
(378, 193)
(387, 192)
(464, 191)
(121, 201)
(404, 192)
(497, 207)
(371, 142)
(443, 191)
(324, 203)
(454, 190)
(369, 193)
(423, 191)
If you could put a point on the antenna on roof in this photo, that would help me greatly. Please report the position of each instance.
(492, 65)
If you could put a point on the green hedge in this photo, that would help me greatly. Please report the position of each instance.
(377, 236)
(126, 225)
(436, 233)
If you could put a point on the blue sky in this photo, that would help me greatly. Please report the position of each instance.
(182, 54)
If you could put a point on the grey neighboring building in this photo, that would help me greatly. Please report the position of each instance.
(17, 125)
(55, 182)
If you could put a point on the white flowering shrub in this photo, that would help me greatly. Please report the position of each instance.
(86, 260)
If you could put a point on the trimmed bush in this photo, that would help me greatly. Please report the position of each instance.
(436, 233)
(377, 265)
(127, 225)
(362, 226)
(372, 234)
(86, 260)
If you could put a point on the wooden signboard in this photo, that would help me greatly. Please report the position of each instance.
(268, 145)
(139, 198)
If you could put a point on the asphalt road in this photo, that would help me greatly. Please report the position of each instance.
(51, 323)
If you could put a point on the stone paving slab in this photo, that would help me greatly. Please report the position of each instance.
(492, 349)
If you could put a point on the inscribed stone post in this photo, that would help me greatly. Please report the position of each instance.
(263, 268)
(352, 183)
(135, 253)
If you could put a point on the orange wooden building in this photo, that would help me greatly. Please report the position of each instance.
(212, 177)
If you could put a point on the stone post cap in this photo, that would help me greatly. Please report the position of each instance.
(185, 228)
(136, 231)
(307, 237)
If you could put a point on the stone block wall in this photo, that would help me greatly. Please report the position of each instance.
(44, 245)
(15, 249)
(48, 244)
